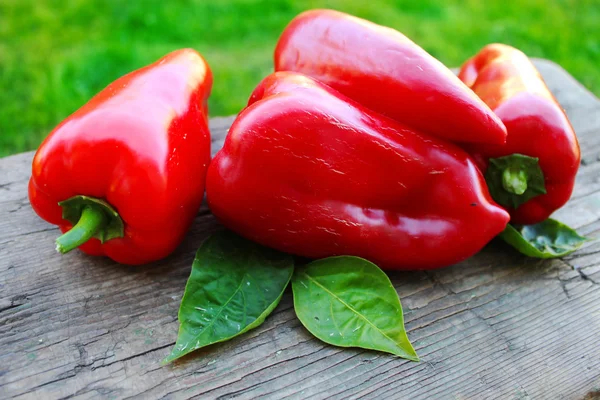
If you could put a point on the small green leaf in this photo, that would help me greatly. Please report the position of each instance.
(234, 285)
(514, 179)
(548, 239)
(349, 302)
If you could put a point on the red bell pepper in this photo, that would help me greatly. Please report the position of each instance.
(533, 174)
(385, 71)
(310, 172)
(124, 175)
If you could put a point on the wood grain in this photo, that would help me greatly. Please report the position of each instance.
(497, 326)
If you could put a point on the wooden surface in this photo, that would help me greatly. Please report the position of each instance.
(496, 326)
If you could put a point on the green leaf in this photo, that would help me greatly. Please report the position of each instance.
(234, 285)
(548, 239)
(349, 302)
(514, 179)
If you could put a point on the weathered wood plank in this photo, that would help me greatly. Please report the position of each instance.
(495, 326)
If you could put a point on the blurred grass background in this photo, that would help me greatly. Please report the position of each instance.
(56, 54)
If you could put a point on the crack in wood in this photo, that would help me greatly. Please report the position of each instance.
(15, 302)
(123, 360)
(585, 277)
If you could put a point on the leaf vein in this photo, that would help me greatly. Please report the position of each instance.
(351, 308)
(221, 308)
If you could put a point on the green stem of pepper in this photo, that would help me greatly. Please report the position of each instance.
(92, 219)
(514, 180)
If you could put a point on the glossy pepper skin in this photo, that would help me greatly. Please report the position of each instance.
(385, 71)
(505, 79)
(140, 148)
(310, 172)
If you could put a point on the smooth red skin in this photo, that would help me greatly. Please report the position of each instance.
(143, 145)
(308, 171)
(537, 125)
(386, 72)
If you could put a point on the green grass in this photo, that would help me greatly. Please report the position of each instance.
(54, 55)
